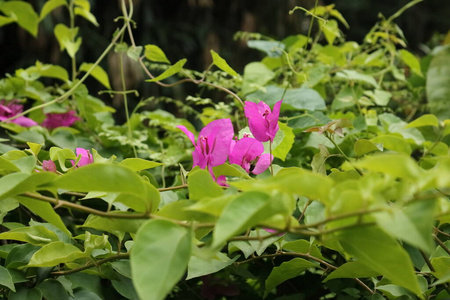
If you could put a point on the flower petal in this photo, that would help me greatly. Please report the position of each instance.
(188, 133)
(263, 163)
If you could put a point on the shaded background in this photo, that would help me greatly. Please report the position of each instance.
(190, 28)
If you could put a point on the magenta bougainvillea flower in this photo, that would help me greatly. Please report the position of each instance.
(86, 157)
(213, 144)
(248, 153)
(11, 109)
(49, 166)
(263, 122)
(55, 120)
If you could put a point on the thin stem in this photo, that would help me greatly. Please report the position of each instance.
(271, 157)
(342, 153)
(72, 26)
(304, 210)
(441, 244)
(92, 264)
(77, 84)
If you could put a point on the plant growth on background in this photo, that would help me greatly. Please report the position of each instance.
(325, 175)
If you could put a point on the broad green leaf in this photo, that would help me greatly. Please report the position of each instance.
(18, 183)
(123, 267)
(23, 13)
(54, 254)
(240, 214)
(159, 258)
(49, 6)
(5, 20)
(7, 165)
(393, 142)
(331, 31)
(172, 70)
(134, 52)
(353, 269)
(199, 267)
(398, 165)
(363, 146)
(113, 225)
(36, 235)
(281, 149)
(441, 266)
(411, 61)
(6, 279)
(20, 255)
(7, 205)
(413, 224)
(303, 246)
(66, 39)
(438, 84)
(34, 148)
(260, 246)
(139, 164)
(222, 64)
(45, 211)
(287, 270)
(25, 293)
(29, 136)
(201, 185)
(53, 290)
(424, 120)
(370, 245)
(97, 72)
(148, 201)
(271, 48)
(352, 75)
(83, 294)
(256, 75)
(380, 97)
(230, 170)
(154, 53)
(300, 99)
(86, 14)
(101, 177)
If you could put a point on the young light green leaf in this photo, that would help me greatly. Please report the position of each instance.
(45, 211)
(201, 185)
(363, 146)
(424, 120)
(5, 20)
(6, 279)
(199, 267)
(287, 270)
(230, 170)
(113, 225)
(370, 244)
(282, 148)
(66, 39)
(240, 214)
(303, 246)
(398, 165)
(352, 75)
(23, 13)
(134, 52)
(36, 235)
(393, 142)
(353, 269)
(177, 67)
(54, 254)
(98, 73)
(139, 164)
(86, 14)
(154, 53)
(18, 183)
(222, 64)
(159, 258)
(49, 6)
(411, 61)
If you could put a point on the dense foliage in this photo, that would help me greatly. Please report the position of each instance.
(325, 173)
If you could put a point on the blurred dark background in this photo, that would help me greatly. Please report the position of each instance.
(190, 28)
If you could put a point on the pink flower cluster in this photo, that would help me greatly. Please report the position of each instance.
(52, 120)
(216, 141)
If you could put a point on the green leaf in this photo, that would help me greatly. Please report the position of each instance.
(20, 255)
(398, 165)
(66, 39)
(23, 13)
(222, 64)
(300, 99)
(52, 71)
(154, 53)
(98, 73)
(54, 254)
(303, 246)
(380, 97)
(411, 61)
(353, 269)
(240, 214)
(139, 164)
(271, 48)
(86, 14)
(230, 170)
(287, 270)
(7, 165)
(5, 20)
(113, 225)
(53, 290)
(6, 279)
(49, 6)
(177, 67)
(370, 245)
(25, 293)
(281, 149)
(256, 75)
(201, 185)
(159, 258)
(134, 52)
(199, 266)
(363, 146)
(45, 211)
(352, 75)
(101, 177)
(438, 84)
(18, 183)
(424, 120)
(36, 235)
(393, 142)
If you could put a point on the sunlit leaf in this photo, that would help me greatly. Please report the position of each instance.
(222, 64)
(174, 69)
(98, 73)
